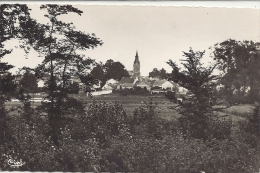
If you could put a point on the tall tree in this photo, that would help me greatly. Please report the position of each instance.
(59, 44)
(155, 73)
(16, 24)
(29, 83)
(99, 74)
(239, 63)
(196, 112)
(161, 74)
(115, 70)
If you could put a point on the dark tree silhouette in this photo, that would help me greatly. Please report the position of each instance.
(99, 74)
(196, 112)
(29, 83)
(115, 70)
(239, 62)
(58, 44)
(161, 74)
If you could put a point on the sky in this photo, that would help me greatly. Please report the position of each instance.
(158, 33)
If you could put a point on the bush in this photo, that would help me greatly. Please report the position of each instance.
(104, 120)
(73, 88)
(251, 127)
(171, 96)
(133, 91)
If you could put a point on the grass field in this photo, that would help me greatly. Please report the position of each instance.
(131, 102)
(240, 110)
(237, 112)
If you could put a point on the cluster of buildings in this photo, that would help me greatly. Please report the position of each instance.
(136, 80)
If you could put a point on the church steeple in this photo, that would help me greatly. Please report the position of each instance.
(137, 58)
(136, 66)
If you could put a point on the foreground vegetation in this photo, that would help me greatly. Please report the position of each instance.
(106, 138)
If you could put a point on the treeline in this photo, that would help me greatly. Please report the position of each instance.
(239, 63)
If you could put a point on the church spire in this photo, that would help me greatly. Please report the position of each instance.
(137, 58)
(136, 71)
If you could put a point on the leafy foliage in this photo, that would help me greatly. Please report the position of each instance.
(109, 70)
(73, 88)
(9, 15)
(29, 83)
(196, 112)
(251, 127)
(161, 74)
(58, 44)
(239, 63)
(115, 70)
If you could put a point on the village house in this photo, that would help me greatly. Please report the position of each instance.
(126, 82)
(163, 84)
(182, 90)
(40, 83)
(110, 84)
(144, 84)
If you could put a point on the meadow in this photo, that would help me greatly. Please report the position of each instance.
(164, 106)
(131, 102)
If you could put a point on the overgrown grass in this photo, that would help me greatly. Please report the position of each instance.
(239, 110)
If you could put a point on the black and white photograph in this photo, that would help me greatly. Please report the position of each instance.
(148, 87)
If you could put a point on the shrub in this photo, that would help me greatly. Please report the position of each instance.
(104, 120)
(133, 91)
(147, 123)
(171, 96)
(251, 127)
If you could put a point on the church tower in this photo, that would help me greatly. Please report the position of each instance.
(136, 66)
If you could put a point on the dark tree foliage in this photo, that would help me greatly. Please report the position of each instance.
(7, 86)
(99, 74)
(115, 70)
(146, 116)
(58, 44)
(239, 62)
(15, 22)
(7, 89)
(161, 74)
(88, 81)
(29, 83)
(109, 70)
(196, 112)
(105, 120)
(73, 88)
(251, 127)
